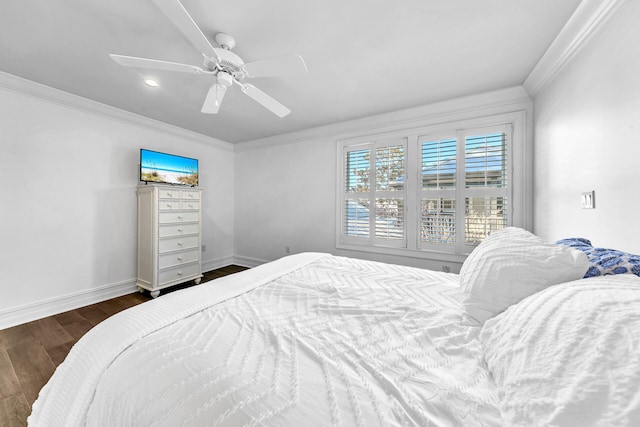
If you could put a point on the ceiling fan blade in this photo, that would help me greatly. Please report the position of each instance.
(176, 12)
(276, 66)
(214, 98)
(265, 100)
(132, 61)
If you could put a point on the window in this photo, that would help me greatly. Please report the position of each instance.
(429, 190)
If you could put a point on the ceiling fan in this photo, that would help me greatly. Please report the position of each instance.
(227, 67)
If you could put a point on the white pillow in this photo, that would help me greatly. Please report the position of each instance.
(511, 264)
(568, 355)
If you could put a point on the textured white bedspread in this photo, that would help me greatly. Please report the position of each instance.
(569, 355)
(337, 342)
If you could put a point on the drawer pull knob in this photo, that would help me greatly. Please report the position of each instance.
(179, 216)
(179, 273)
(179, 258)
(180, 230)
(179, 243)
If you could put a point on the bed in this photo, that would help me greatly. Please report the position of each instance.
(519, 337)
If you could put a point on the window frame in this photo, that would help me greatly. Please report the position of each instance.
(518, 182)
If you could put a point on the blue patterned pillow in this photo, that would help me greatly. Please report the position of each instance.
(604, 261)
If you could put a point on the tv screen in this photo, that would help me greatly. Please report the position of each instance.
(168, 168)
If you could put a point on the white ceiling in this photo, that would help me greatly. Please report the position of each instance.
(364, 57)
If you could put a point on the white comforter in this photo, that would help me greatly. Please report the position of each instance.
(310, 340)
(569, 355)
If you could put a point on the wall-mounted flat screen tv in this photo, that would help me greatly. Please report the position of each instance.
(168, 168)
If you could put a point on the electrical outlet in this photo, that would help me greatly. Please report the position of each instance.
(204, 248)
(589, 200)
(287, 249)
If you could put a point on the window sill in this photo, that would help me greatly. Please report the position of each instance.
(411, 253)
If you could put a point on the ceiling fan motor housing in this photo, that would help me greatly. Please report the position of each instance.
(225, 41)
(230, 63)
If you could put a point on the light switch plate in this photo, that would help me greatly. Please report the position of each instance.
(589, 200)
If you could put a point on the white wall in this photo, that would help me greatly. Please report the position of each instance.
(587, 137)
(286, 185)
(69, 169)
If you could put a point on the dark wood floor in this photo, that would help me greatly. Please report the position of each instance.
(29, 353)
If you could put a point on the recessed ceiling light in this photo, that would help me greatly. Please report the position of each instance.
(150, 82)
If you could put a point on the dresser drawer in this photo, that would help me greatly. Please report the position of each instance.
(190, 205)
(178, 258)
(178, 243)
(168, 193)
(177, 273)
(177, 229)
(168, 205)
(190, 195)
(171, 217)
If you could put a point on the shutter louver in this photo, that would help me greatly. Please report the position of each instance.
(482, 216)
(357, 166)
(485, 161)
(438, 221)
(390, 168)
(357, 217)
(389, 219)
(439, 164)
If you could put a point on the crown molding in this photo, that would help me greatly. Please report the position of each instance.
(588, 18)
(514, 98)
(19, 85)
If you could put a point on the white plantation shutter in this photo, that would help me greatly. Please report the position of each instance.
(357, 202)
(357, 166)
(438, 191)
(463, 188)
(486, 163)
(373, 200)
(389, 212)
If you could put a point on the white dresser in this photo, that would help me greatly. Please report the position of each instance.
(168, 236)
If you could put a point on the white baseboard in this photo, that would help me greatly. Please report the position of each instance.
(243, 261)
(212, 264)
(49, 307)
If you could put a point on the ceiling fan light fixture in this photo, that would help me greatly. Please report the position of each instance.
(224, 78)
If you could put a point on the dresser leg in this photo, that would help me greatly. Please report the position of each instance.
(140, 289)
(154, 294)
(198, 280)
